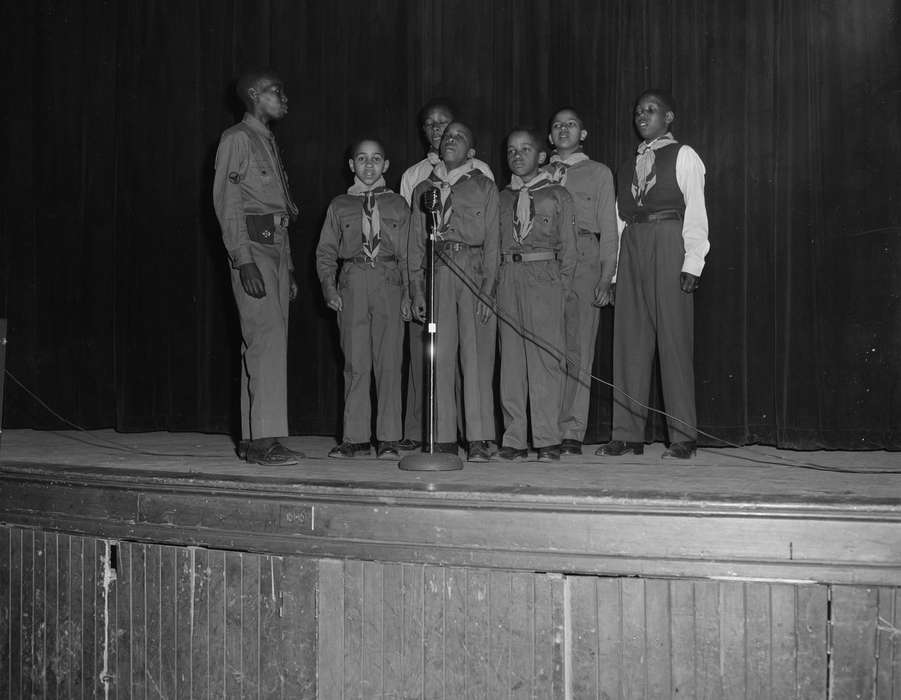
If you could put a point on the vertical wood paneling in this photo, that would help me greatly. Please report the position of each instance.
(184, 620)
(433, 632)
(888, 669)
(584, 655)
(331, 629)
(855, 612)
(168, 630)
(633, 659)
(76, 616)
(137, 576)
(393, 582)
(27, 619)
(811, 626)
(371, 675)
(233, 609)
(477, 633)
(657, 629)
(499, 635)
(121, 636)
(455, 648)
(783, 640)
(200, 624)
(353, 628)
(298, 583)
(250, 625)
(6, 608)
(608, 594)
(522, 634)
(708, 669)
(682, 631)
(217, 624)
(152, 583)
(412, 630)
(732, 638)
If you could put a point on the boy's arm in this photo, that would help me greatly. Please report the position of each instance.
(620, 227)
(232, 159)
(569, 253)
(402, 246)
(606, 217)
(690, 178)
(327, 254)
(491, 248)
(416, 248)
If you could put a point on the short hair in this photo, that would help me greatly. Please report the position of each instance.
(436, 103)
(567, 108)
(355, 146)
(663, 96)
(538, 138)
(249, 79)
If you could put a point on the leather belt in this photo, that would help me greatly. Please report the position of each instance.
(453, 246)
(528, 257)
(652, 216)
(369, 261)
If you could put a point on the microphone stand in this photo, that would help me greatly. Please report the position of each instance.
(431, 460)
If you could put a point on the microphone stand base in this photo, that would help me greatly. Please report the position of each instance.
(430, 462)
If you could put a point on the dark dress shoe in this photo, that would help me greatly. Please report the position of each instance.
(388, 450)
(617, 448)
(279, 448)
(479, 451)
(511, 454)
(551, 453)
(570, 447)
(681, 450)
(242, 448)
(269, 455)
(408, 445)
(349, 450)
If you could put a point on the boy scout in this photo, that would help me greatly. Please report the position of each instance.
(366, 229)
(434, 118)
(254, 207)
(538, 258)
(663, 243)
(591, 185)
(468, 236)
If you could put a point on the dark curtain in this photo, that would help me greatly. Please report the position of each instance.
(114, 279)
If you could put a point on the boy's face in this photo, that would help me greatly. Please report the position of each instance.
(269, 98)
(369, 162)
(456, 145)
(524, 156)
(567, 133)
(436, 121)
(652, 117)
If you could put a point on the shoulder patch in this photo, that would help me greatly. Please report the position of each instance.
(234, 177)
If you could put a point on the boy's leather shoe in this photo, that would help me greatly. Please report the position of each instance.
(616, 448)
(479, 451)
(388, 450)
(681, 450)
(511, 454)
(408, 445)
(280, 449)
(551, 453)
(269, 455)
(242, 448)
(570, 447)
(349, 450)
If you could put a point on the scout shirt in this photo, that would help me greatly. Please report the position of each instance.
(420, 171)
(553, 226)
(342, 235)
(247, 181)
(591, 185)
(473, 221)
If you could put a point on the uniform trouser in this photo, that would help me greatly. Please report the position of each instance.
(581, 318)
(653, 311)
(264, 347)
(531, 295)
(372, 337)
(461, 336)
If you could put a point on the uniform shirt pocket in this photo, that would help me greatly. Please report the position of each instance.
(261, 171)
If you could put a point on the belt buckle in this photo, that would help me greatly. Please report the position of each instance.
(282, 220)
(517, 257)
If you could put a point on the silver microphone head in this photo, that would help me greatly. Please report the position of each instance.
(431, 200)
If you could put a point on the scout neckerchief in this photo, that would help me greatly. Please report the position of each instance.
(561, 165)
(443, 181)
(282, 176)
(371, 220)
(524, 211)
(645, 176)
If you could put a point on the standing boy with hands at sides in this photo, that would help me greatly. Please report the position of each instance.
(591, 185)
(468, 237)
(663, 243)
(254, 208)
(434, 119)
(366, 229)
(538, 258)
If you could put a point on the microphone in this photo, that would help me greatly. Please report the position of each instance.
(431, 203)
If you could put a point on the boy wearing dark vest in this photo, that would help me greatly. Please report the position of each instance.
(365, 231)
(254, 208)
(663, 243)
(434, 118)
(591, 185)
(538, 258)
(468, 237)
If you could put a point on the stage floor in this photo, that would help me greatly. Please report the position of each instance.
(751, 474)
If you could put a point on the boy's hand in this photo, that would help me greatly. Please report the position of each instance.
(689, 282)
(483, 312)
(252, 280)
(406, 312)
(292, 287)
(603, 294)
(419, 308)
(334, 302)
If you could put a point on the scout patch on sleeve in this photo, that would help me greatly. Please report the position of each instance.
(234, 177)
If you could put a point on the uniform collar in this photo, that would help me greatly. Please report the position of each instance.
(256, 125)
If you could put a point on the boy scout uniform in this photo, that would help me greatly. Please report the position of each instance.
(371, 284)
(412, 177)
(254, 207)
(469, 237)
(591, 185)
(535, 275)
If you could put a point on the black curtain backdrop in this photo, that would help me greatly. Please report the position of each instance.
(115, 282)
